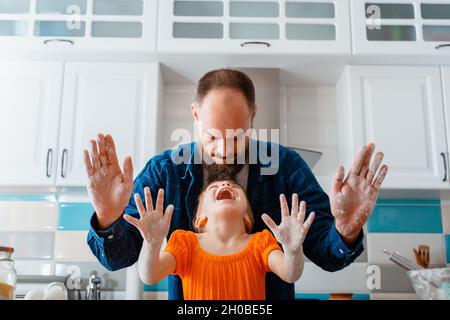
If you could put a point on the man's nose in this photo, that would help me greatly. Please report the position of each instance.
(221, 148)
(225, 184)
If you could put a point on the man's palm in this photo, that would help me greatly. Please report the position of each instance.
(109, 188)
(352, 199)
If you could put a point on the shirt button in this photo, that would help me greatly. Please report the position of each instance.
(341, 251)
(110, 236)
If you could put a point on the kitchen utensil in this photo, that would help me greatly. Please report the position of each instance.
(402, 261)
(422, 255)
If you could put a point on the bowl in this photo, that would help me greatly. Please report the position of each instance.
(431, 284)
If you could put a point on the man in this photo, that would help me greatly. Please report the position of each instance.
(226, 101)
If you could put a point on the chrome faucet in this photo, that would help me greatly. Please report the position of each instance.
(93, 289)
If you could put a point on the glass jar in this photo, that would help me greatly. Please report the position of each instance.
(8, 275)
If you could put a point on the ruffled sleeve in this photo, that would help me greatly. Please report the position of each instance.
(179, 245)
(265, 243)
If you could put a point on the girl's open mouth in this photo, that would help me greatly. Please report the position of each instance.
(225, 194)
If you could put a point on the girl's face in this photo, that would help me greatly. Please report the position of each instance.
(224, 197)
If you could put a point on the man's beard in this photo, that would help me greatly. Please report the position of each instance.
(216, 172)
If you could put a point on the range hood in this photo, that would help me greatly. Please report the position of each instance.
(310, 156)
(267, 90)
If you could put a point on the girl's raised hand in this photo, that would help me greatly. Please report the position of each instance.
(292, 230)
(152, 224)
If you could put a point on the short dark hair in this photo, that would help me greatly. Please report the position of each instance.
(226, 78)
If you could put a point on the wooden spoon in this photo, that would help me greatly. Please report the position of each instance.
(422, 255)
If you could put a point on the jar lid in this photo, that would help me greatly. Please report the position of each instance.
(6, 249)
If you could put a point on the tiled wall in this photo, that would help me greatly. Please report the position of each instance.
(50, 235)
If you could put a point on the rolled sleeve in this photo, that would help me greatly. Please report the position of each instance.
(111, 240)
(341, 250)
(114, 231)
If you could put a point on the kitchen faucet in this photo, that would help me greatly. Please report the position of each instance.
(93, 289)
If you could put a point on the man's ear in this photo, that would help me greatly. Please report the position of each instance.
(200, 222)
(254, 112)
(194, 110)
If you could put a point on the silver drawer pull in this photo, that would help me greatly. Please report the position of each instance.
(59, 40)
(445, 166)
(255, 42)
(63, 163)
(49, 163)
(442, 46)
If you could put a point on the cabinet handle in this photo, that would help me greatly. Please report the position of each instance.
(59, 40)
(442, 46)
(255, 42)
(49, 166)
(445, 166)
(63, 163)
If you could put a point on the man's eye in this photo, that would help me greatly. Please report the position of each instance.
(211, 138)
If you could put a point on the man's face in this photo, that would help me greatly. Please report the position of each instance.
(222, 121)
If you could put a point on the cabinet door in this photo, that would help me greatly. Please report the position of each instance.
(30, 95)
(401, 26)
(78, 25)
(254, 26)
(400, 109)
(446, 90)
(114, 98)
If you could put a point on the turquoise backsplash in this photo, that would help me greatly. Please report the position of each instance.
(74, 216)
(406, 216)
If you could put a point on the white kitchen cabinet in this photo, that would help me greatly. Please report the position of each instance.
(401, 27)
(254, 26)
(30, 97)
(84, 25)
(115, 98)
(445, 72)
(400, 109)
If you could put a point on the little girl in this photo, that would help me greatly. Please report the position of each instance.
(222, 261)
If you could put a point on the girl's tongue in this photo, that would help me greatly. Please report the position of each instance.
(225, 194)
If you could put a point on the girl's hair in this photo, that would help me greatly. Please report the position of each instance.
(248, 227)
(226, 78)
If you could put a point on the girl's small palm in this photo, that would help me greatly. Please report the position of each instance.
(292, 230)
(152, 224)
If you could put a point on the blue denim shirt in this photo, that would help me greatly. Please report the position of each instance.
(119, 246)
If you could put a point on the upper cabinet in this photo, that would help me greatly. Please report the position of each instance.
(109, 25)
(49, 112)
(255, 26)
(401, 26)
(401, 110)
(115, 98)
(30, 107)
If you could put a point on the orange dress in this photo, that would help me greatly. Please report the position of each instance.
(205, 276)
